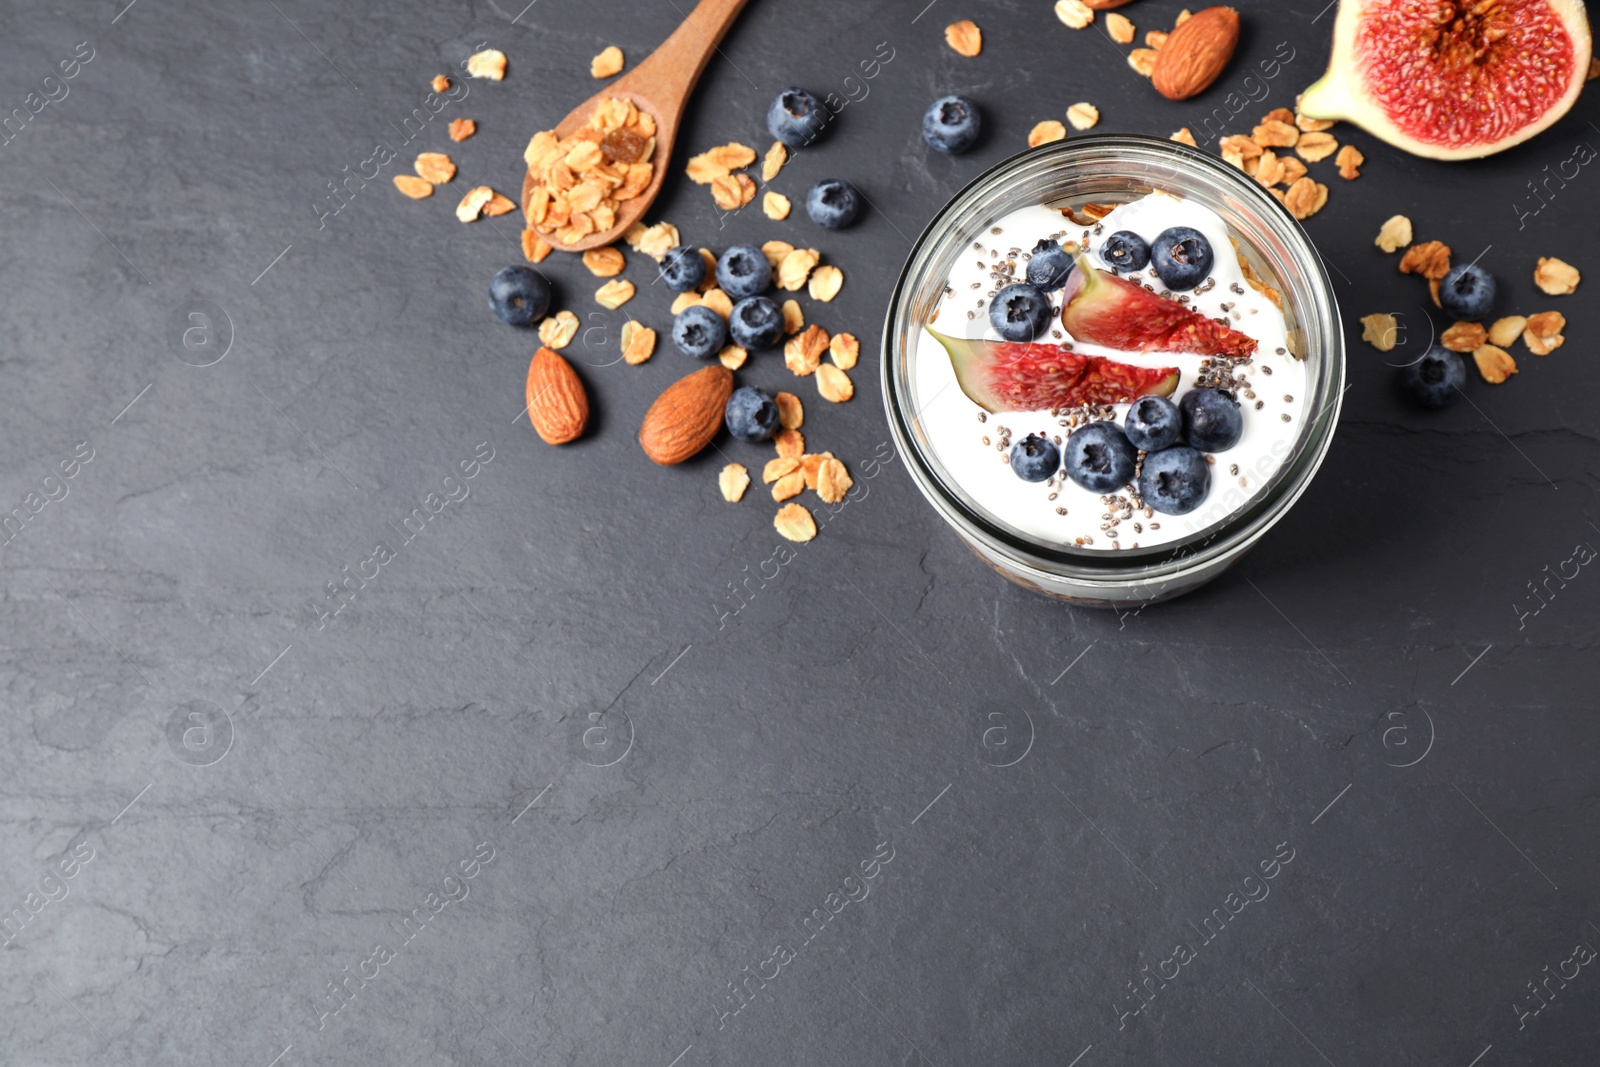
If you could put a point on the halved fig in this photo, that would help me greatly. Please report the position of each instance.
(1103, 309)
(1453, 79)
(1012, 376)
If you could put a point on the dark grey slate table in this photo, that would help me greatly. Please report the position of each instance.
(536, 795)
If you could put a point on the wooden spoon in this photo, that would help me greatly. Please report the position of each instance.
(660, 86)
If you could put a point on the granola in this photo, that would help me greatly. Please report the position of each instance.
(607, 63)
(1464, 337)
(1495, 364)
(1394, 234)
(414, 187)
(558, 330)
(1379, 330)
(1555, 277)
(490, 63)
(614, 294)
(1074, 13)
(576, 183)
(733, 481)
(1083, 115)
(1542, 334)
(964, 37)
(834, 384)
(1431, 259)
(638, 342)
(795, 523)
(825, 283)
(1045, 132)
(604, 262)
(845, 350)
(1504, 332)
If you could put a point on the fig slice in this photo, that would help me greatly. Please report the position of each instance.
(1103, 309)
(1453, 79)
(1012, 376)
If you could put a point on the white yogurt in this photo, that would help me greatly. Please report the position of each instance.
(982, 471)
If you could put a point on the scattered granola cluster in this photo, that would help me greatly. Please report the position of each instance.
(1264, 155)
(436, 168)
(1540, 333)
(793, 471)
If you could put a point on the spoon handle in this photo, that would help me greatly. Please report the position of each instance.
(669, 74)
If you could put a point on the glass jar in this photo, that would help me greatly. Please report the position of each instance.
(1115, 169)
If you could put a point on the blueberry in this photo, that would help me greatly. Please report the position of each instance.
(1019, 312)
(1153, 423)
(1467, 292)
(1212, 419)
(1435, 380)
(699, 332)
(1100, 458)
(751, 414)
(755, 323)
(951, 125)
(1126, 251)
(518, 295)
(1174, 480)
(797, 117)
(683, 269)
(1035, 458)
(744, 271)
(1181, 257)
(1049, 265)
(833, 203)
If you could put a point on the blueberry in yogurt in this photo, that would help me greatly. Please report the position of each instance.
(1153, 423)
(1212, 419)
(1100, 458)
(1035, 458)
(1019, 312)
(1181, 256)
(951, 125)
(1125, 251)
(1174, 480)
(1049, 265)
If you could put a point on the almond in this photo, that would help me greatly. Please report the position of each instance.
(557, 405)
(685, 417)
(1196, 52)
